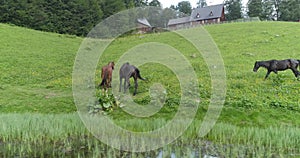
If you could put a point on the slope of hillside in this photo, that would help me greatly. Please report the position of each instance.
(241, 44)
(36, 69)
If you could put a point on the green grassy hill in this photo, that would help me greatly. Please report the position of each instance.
(260, 118)
(36, 71)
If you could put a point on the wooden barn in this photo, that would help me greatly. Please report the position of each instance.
(199, 16)
(143, 25)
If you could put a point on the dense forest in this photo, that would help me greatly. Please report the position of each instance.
(77, 17)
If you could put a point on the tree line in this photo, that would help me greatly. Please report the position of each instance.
(78, 17)
(281, 10)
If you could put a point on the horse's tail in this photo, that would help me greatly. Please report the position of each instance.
(102, 83)
(104, 79)
(139, 75)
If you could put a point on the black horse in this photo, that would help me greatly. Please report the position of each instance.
(127, 71)
(278, 65)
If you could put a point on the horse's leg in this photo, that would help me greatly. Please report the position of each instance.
(128, 83)
(120, 84)
(268, 73)
(135, 86)
(107, 83)
(295, 71)
(125, 84)
(109, 80)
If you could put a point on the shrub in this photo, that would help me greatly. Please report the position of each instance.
(105, 101)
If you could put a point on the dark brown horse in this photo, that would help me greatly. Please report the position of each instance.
(127, 71)
(278, 65)
(106, 75)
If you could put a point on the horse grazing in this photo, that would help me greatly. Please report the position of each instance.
(127, 71)
(106, 75)
(278, 65)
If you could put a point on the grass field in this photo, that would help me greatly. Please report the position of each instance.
(36, 86)
(36, 70)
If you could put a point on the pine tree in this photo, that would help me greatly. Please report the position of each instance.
(255, 8)
(233, 9)
(184, 7)
(201, 4)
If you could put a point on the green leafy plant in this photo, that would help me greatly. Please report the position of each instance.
(105, 101)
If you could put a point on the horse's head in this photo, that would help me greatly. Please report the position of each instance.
(111, 64)
(256, 66)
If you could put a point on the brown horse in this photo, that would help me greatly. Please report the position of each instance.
(106, 75)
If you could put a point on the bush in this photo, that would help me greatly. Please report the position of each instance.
(105, 101)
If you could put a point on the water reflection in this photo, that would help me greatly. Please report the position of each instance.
(193, 154)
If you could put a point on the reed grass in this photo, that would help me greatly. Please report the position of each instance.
(64, 135)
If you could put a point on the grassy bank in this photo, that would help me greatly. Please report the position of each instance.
(64, 135)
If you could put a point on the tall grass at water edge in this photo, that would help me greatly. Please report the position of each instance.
(64, 135)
